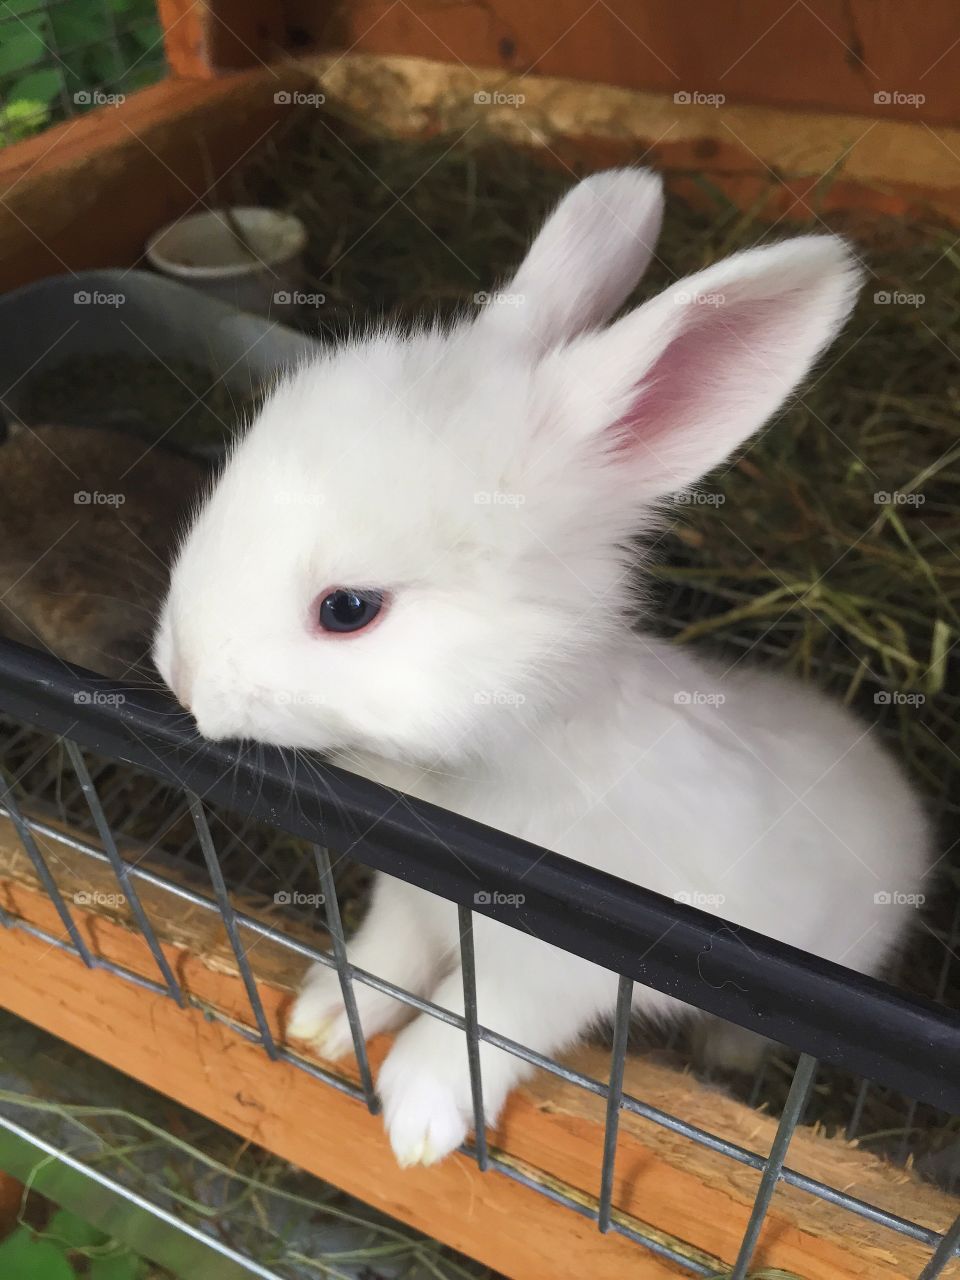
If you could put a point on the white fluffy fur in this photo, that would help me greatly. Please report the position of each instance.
(489, 479)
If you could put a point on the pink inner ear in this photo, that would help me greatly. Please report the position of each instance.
(723, 360)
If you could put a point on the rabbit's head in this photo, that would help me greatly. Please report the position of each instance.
(419, 548)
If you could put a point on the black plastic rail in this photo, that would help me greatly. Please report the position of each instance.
(812, 1005)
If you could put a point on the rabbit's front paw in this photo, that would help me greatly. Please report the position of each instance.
(426, 1112)
(320, 1018)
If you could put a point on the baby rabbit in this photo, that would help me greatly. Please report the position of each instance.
(417, 561)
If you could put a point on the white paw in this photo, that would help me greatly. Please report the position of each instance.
(317, 1005)
(320, 1018)
(424, 1085)
(424, 1118)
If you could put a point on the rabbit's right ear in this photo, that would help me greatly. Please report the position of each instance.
(583, 264)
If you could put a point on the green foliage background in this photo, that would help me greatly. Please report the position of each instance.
(65, 1249)
(50, 52)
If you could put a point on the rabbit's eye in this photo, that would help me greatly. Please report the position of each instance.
(347, 610)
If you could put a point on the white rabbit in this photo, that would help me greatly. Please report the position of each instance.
(417, 561)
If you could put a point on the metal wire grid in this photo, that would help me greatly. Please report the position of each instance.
(689, 603)
(26, 1155)
(120, 47)
(772, 1167)
(154, 817)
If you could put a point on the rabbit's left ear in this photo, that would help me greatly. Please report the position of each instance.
(587, 257)
(678, 384)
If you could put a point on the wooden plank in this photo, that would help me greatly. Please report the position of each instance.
(128, 169)
(196, 936)
(185, 37)
(210, 38)
(664, 1185)
(794, 165)
(89, 192)
(818, 54)
(203, 1064)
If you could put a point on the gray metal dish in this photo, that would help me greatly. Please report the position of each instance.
(135, 312)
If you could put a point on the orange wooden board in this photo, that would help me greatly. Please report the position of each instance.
(664, 1185)
(825, 55)
(89, 192)
(209, 1068)
(220, 35)
(780, 164)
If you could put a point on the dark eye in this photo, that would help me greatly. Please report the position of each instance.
(347, 610)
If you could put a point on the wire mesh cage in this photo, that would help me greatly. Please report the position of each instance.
(60, 58)
(111, 803)
(78, 724)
